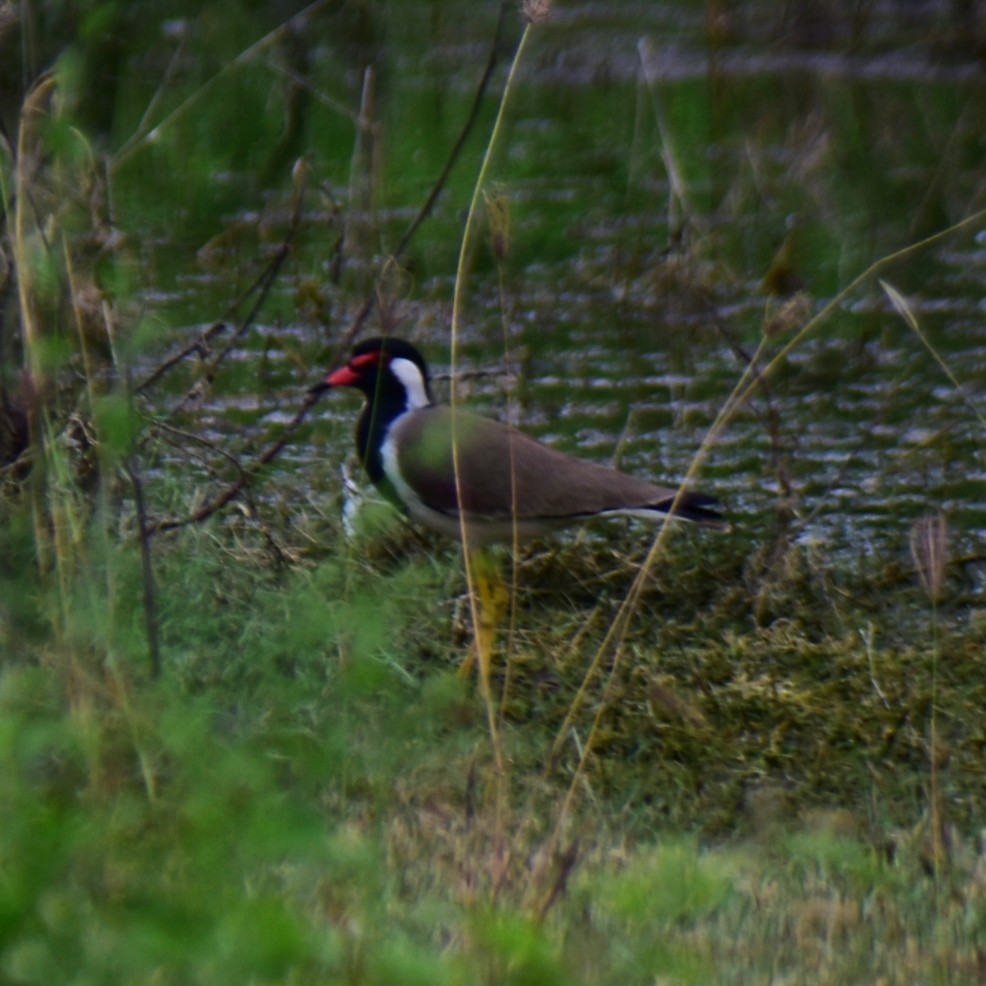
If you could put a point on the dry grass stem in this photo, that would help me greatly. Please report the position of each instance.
(929, 549)
(536, 11)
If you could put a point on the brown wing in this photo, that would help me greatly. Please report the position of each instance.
(500, 466)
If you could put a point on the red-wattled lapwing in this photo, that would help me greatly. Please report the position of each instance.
(509, 485)
(428, 460)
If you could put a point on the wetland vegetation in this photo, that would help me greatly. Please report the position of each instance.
(742, 241)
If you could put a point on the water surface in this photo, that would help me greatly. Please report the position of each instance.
(666, 196)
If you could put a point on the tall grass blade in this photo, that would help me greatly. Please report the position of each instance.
(458, 297)
(905, 311)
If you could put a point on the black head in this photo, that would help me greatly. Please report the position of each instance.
(388, 371)
(393, 376)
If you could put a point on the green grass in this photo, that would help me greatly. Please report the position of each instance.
(308, 794)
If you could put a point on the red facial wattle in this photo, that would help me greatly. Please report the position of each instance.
(351, 374)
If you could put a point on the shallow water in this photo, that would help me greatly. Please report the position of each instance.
(623, 303)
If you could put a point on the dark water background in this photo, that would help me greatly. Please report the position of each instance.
(615, 325)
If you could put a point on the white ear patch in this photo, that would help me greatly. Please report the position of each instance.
(410, 376)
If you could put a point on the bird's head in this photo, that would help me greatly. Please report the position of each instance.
(384, 369)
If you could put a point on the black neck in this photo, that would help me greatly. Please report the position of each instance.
(371, 431)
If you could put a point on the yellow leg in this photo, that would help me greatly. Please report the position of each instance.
(491, 600)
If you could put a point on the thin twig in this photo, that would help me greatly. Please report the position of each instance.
(147, 572)
(366, 309)
(246, 477)
(200, 346)
(264, 285)
(249, 472)
(147, 133)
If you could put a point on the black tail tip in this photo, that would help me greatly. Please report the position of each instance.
(700, 508)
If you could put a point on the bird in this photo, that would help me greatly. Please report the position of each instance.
(455, 472)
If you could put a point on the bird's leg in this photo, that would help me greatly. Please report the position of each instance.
(491, 603)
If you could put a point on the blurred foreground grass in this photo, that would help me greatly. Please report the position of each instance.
(307, 794)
